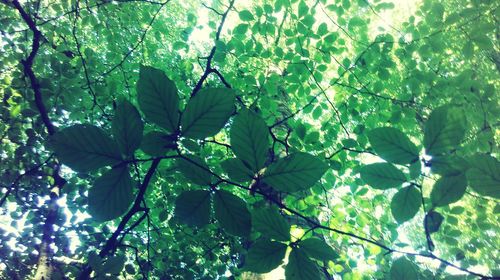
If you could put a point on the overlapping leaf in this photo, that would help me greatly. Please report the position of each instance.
(232, 213)
(111, 195)
(448, 189)
(271, 224)
(402, 268)
(318, 249)
(393, 145)
(382, 176)
(85, 147)
(195, 169)
(264, 256)
(127, 127)
(484, 175)
(250, 139)
(296, 172)
(300, 267)
(405, 204)
(207, 112)
(158, 98)
(194, 207)
(444, 130)
(236, 170)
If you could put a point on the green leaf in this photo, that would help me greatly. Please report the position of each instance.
(318, 249)
(382, 176)
(232, 213)
(85, 147)
(300, 267)
(250, 139)
(444, 130)
(195, 169)
(114, 265)
(402, 268)
(405, 204)
(264, 256)
(484, 175)
(392, 145)
(433, 221)
(271, 224)
(111, 195)
(296, 172)
(207, 112)
(193, 208)
(158, 98)
(246, 15)
(127, 127)
(156, 143)
(236, 170)
(448, 189)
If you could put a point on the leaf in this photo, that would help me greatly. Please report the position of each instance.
(405, 204)
(114, 265)
(382, 176)
(85, 147)
(392, 145)
(195, 169)
(232, 213)
(158, 98)
(236, 170)
(432, 221)
(300, 267)
(402, 268)
(250, 139)
(246, 15)
(193, 208)
(271, 224)
(318, 249)
(296, 172)
(127, 127)
(207, 112)
(484, 175)
(264, 256)
(444, 130)
(111, 195)
(156, 143)
(448, 189)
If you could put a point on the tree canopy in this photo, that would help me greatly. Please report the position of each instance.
(228, 139)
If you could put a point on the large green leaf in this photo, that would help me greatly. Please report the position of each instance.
(264, 256)
(232, 213)
(158, 98)
(236, 170)
(111, 195)
(127, 127)
(393, 145)
(250, 139)
(484, 175)
(271, 224)
(448, 189)
(156, 143)
(85, 147)
(296, 172)
(300, 267)
(402, 268)
(207, 112)
(193, 207)
(405, 204)
(444, 130)
(318, 249)
(195, 169)
(382, 176)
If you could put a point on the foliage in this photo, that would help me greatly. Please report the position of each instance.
(220, 140)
